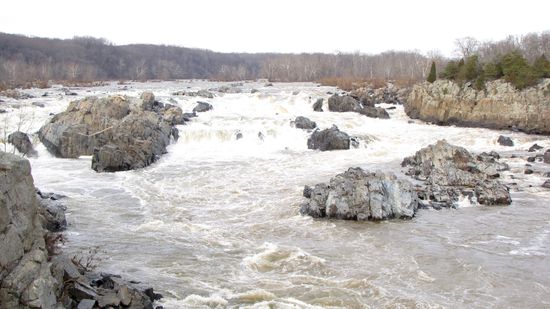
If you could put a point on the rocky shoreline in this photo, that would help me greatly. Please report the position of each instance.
(33, 274)
(498, 106)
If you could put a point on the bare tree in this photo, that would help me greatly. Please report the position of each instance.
(466, 46)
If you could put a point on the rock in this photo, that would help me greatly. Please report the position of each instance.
(254, 91)
(86, 304)
(374, 112)
(3, 111)
(38, 104)
(53, 214)
(108, 300)
(188, 116)
(148, 100)
(329, 139)
(25, 276)
(450, 173)
(546, 157)
(124, 295)
(346, 103)
(505, 141)
(202, 107)
(22, 143)
(360, 195)
(205, 94)
(238, 135)
(546, 184)
(152, 295)
(499, 106)
(531, 159)
(318, 105)
(268, 85)
(173, 115)
(528, 171)
(118, 133)
(535, 147)
(304, 123)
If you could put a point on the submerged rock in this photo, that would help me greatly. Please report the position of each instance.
(535, 147)
(22, 143)
(360, 195)
(329, 139)
(451, 173)
(374, 112)
(304, 123)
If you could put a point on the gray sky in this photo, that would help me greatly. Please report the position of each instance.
(279, 25)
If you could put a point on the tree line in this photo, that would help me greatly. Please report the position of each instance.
(26, 59)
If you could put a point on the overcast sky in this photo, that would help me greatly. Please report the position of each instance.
(279, 25)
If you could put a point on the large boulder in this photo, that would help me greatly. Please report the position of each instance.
(25, 277)
(22, 143)
(499, 106)
(450, 174)
(329, 139)
(505, 141)
(344, 103)
(304, 123)
(360, 195)
(120, 133)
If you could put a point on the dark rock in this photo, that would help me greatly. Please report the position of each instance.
(3, 111)
(254, 91)
(391, 108)
(188, 116)
(360, 195)
(318, 105)
(238, 136)
(535, 147)
(528, 171)
(329, 139)
(531, 159)
(450, 173)
(546, 157)
(152, 295)
(173, 115)
(202, 107)
(304, 123)
(374, 112)
(493, 154)
(53, 214)
(38, 104)
(22, 143)
(546, 184)
(82, 291)
(547, 174)
(307, 191)
(346, 103)
(268, 85)
(505, 141)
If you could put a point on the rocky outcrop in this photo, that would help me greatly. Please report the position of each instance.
(390, 94)
(505, 141)
(329, 139)
(304, 123)
(360, 195)
(450, 173)
(22, 143)
(121, 133)
(25, 277)
(499, 106)
(202, 107)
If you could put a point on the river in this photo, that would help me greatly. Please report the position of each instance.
(215, 222)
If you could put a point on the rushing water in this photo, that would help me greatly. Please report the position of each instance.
(215, 223)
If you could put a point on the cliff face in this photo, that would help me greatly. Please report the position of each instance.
(499, 106)
(25, 277)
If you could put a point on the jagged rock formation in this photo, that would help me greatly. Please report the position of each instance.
(360, 195)
(329, 139)
(390, 94)
(347, 103)
(25, 277)
(450, 173)
(499, 106)
(121, 133)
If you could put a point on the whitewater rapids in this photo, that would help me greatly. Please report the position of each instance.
(215, 224)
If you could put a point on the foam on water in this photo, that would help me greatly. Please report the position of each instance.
(215, 224)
